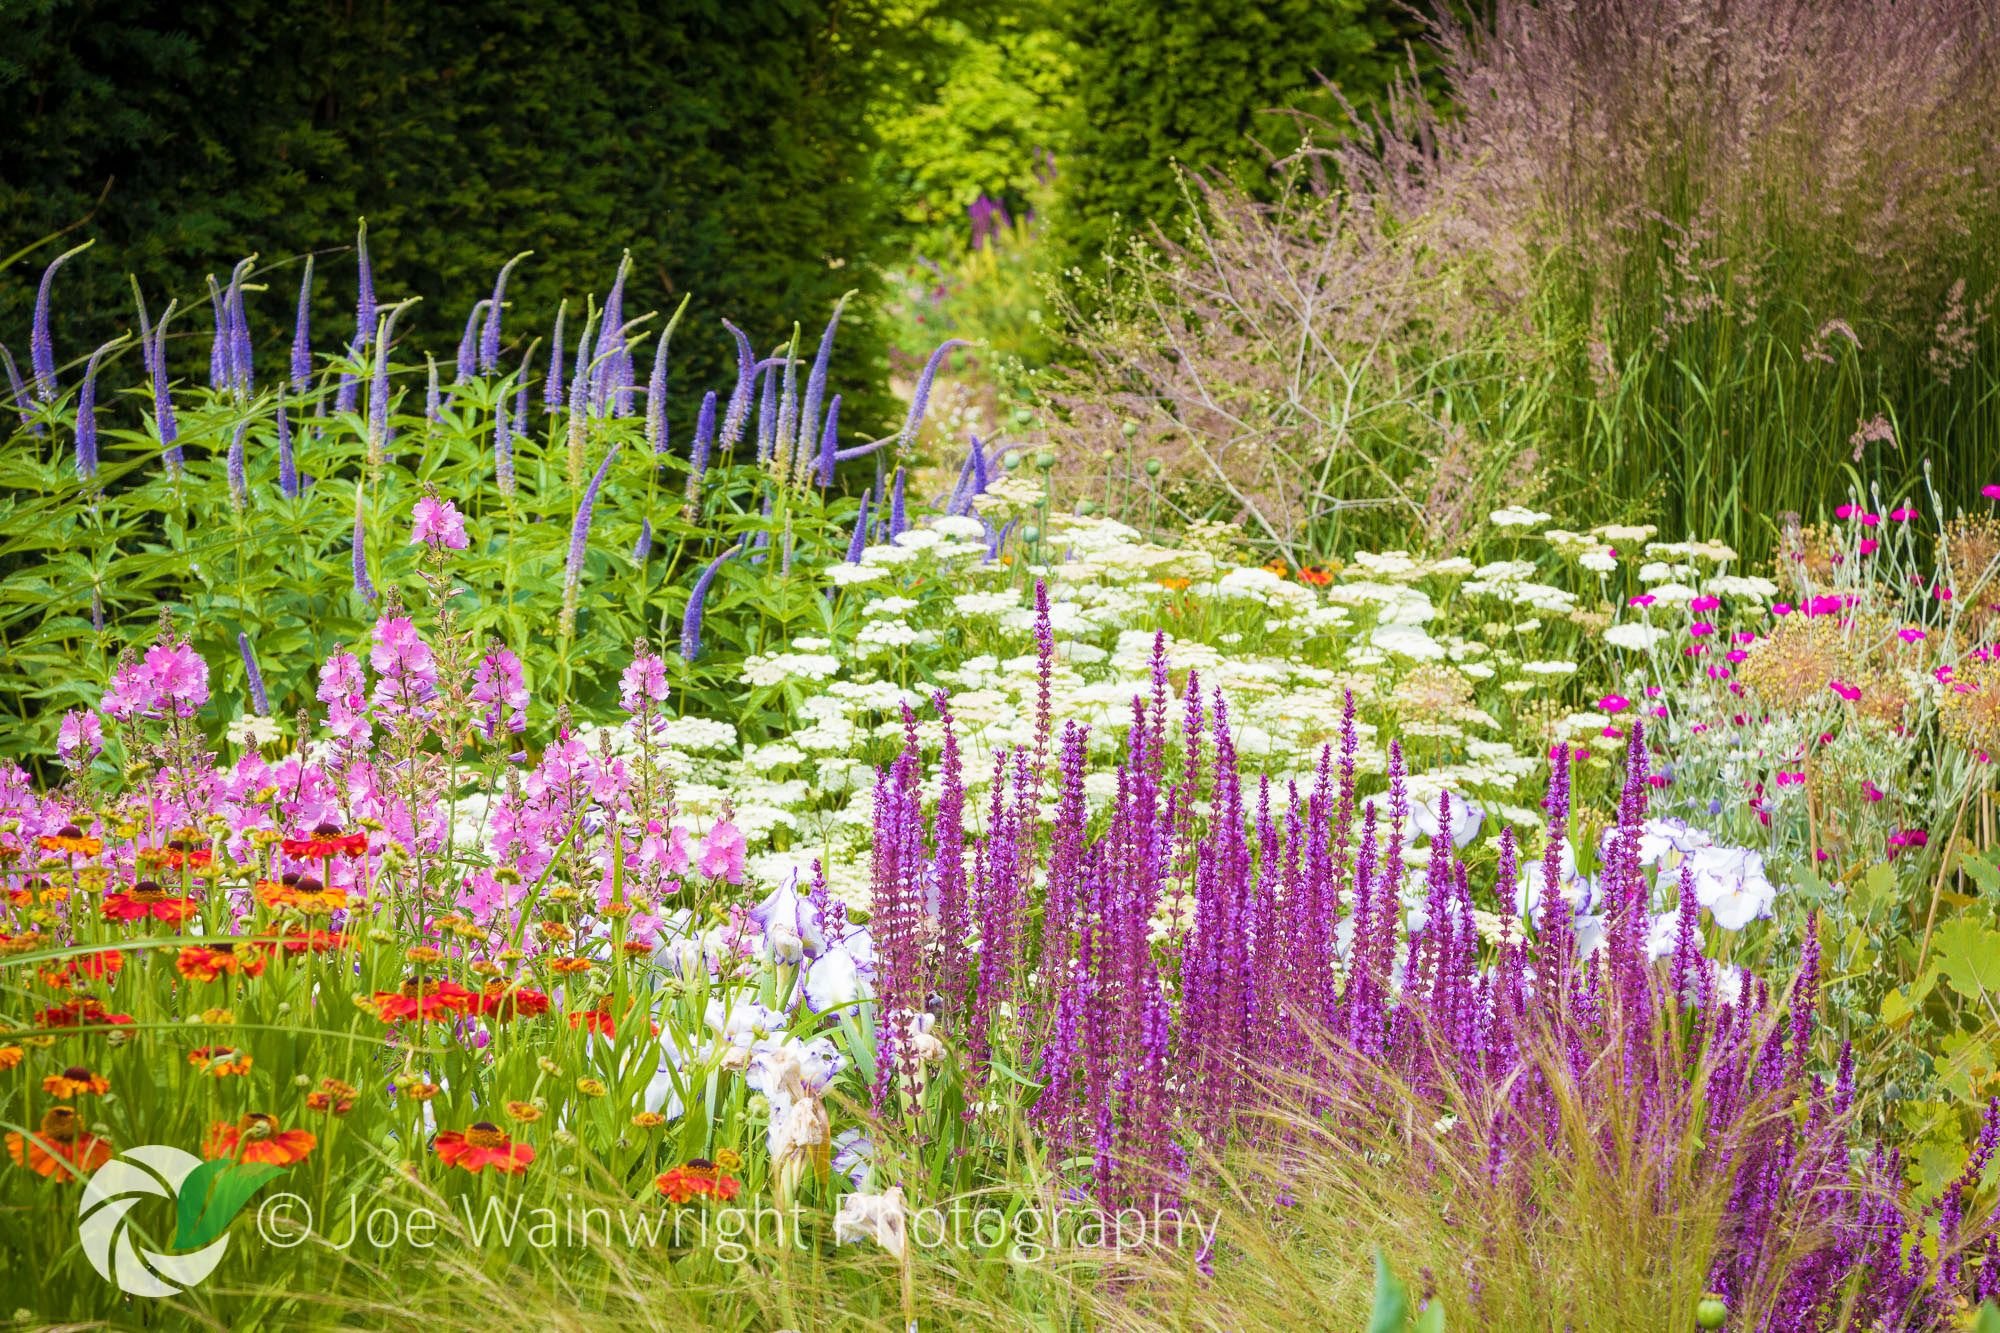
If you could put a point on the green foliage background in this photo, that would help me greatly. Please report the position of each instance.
(726, 142)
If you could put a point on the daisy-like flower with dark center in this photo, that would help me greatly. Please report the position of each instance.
(699, 1178)
(75, 1082)
(501, 1002)
(146, 900)
(257, 1138)
(39, 891)
(1315, 576)
(325, 842)
(60, 1149)
(418, 1090)
(198, 962)
(11, 1056)
(569, 967)
(69, 840)
(481, 1145)
(219, 1061)
(423, 1001)
(305, 894)
(101, 965)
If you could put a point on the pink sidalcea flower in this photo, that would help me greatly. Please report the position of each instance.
(439, 524)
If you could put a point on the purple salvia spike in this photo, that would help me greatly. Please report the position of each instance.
(738, 414)
(579, 536)
(921, 398)
(552, 389)
(489, 336)
(691, 619)
(859, 542)
(253, 678)
(362, 587)
(468, 344)
(816, 380)
(41, 344)
(828, 443)
(86, 415)
(302, 333)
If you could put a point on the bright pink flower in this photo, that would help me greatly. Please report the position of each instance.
(1643, 599)
(1869, 545)
(1911, 635)
(1701, 629)
(1990, 492)
(1705, 603)
(1781, 608)
(644, 683)
(1847, 511)
(1871, 520)
(1614, 703)
(722, 852)
(1903, 515)
(1845, 691)
(439, 524)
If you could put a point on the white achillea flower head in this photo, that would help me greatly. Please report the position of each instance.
(1515, 516)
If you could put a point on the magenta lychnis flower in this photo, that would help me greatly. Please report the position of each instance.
(1614, 703)
(438, 524)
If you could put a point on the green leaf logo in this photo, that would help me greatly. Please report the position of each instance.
(211, 1197)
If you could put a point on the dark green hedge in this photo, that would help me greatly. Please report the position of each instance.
(724, 141)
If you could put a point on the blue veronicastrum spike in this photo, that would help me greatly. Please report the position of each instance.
(552, 390)
(644, 546)
(921, 399)
(738, 414)
(898, 519)
(252, 676)
(859, 542)
(41, 344)
(163, 403)
(19, 390)
(828, 443)
(579, 532)
(242, 374)
(489, 336)
(364, 289)
(767, 406)
(219, 346)
(468, 344)
(691, 621)
(816, 381)
(86, 414)
(656, 386)
(362, 585)
(302, 333)
(288, 468)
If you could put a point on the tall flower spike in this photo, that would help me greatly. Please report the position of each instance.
(816, 380)
(18, 389)
(579, 539)
(468, 344)
(829, 443)
(163, 403)
(788, 410)
(859, 542)
(433, 396)
(86, 414)
(644, 546)
(288, 467)
(691, 620)
(552, 388)
(252, 677)
(704, 443)
(738, 414)
(922, 397)
(656, 385)
(379, 437)
(364, 290)
(489, 336)
(611, 375)
(302, 333)
(242, 371)
(219, 345)
(41, 345)
(898, 517)
(362, 586)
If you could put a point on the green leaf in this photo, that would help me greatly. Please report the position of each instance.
(212, 1195)
(1392, 1300)
(1984, 871)
(1432, 1319)
(1969, 955)
(1987, 1320)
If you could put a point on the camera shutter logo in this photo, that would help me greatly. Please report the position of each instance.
(207, 1196)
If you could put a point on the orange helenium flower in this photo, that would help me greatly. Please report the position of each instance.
(206, 963)
(482, 1145)
(325, 842)
(699, 1178)
(257, 1138)
(75, 1081)
(498, 1001)
(437, 999)
(70, 841)
(221, 1061)
(144, 900)
(61, 1149)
